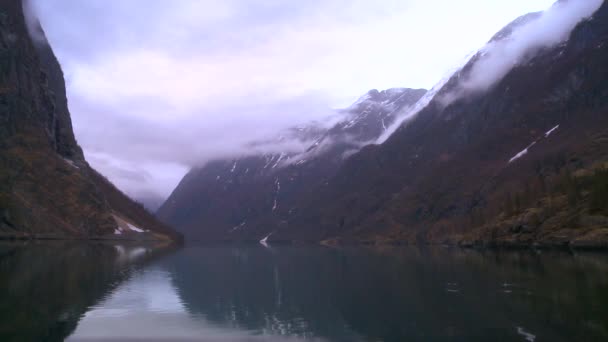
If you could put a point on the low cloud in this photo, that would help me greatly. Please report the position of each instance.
(32, 23)
(156, 87)
(498, 57)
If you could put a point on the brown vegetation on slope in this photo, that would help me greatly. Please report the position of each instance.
(47, 189)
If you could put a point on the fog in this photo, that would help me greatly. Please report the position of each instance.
(156, 87)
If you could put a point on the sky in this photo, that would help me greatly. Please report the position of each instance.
(156, 87)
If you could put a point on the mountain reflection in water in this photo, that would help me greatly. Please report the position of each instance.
(252, 293)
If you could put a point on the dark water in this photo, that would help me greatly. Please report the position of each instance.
(99, 292)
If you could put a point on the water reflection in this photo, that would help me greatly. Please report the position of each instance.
(148, 308)
(397, 294)
(285, 292)
(251, 293)
(46, 287)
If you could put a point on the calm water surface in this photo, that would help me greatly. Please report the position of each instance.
(101, 292)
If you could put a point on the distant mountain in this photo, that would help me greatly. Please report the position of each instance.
(151, 202)
(47, 189)
(238, 199)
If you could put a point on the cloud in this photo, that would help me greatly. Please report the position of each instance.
(188, 141)
(32, 24)
(172, 84)
(498, 57)
(410, 112)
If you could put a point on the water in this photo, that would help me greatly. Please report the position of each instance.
(102, 292)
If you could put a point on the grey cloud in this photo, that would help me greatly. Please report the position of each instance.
(190, 141)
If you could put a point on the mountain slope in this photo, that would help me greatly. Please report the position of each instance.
(241, 199)
(47, 189)
(449, 174)
(516, 162)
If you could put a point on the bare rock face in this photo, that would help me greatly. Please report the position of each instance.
(47, 189)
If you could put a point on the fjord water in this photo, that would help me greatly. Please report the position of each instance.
(100, 292)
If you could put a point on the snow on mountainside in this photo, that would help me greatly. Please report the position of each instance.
(445, 176)
(514, 45)
(435, 167)
(445, 87)
(233, 195)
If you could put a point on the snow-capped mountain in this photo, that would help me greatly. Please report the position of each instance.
(236, 198)
(520, 160)
(509, 150)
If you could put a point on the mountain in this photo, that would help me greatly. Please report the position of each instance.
(239, 199)
(47, 188)
(521, 163)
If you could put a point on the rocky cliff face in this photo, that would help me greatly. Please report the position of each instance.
(247, 198)
(47, 189)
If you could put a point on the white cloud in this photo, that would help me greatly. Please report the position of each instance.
(551, 28)
(498, 57)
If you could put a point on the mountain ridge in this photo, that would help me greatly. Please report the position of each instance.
(449, 174)
(237, 198)
(411, 200)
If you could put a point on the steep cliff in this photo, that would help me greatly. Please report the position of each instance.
(47, 189)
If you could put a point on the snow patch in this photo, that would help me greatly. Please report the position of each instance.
(71, 163)
(281, 156)
(276, 203)
(274, 207)
(356, 120)
(239, 226)
(522, 153)
(409, 112)
(134, 228)
(233, 166)
(528, 336)
(117, 231)
(551, 131)
(268, 161)
(264, 241)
